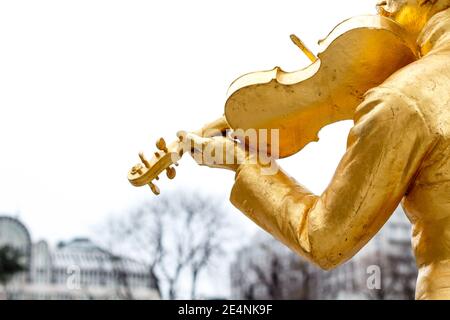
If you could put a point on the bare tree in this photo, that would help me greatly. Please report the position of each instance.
(270, 277)
(10, 265)
(266, 269)
(175, 234)
(123, 289)
(398, 274)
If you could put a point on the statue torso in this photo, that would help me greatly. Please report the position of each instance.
(426, 84)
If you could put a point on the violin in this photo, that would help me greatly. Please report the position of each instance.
(359, 54)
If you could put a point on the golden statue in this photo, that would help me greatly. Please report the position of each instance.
(390, 73)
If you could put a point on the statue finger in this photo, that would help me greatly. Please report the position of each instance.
(195, 142)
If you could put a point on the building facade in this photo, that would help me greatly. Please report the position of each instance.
(78, 269)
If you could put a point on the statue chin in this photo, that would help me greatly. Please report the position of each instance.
(397, 8)
(411, 14)
(389, 8)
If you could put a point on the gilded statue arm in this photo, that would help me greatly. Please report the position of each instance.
(384, 151)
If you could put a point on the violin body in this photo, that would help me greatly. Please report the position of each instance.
(359, 54)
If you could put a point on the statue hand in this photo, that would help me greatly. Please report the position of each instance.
(215, 152)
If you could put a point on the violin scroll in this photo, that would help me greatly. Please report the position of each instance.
(167, 157)
(145, 172)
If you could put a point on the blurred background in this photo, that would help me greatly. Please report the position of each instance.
(85, 85)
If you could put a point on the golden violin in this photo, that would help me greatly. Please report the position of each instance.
(359, 54)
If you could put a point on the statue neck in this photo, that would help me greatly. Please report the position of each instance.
(436, 33)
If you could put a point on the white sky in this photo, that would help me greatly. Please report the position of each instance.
(86, 84)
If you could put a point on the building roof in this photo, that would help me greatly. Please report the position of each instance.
(83, 253)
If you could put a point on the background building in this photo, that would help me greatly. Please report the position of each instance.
(78, 269)
(268, 270)
(15, 235)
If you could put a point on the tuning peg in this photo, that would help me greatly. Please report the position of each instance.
(171, 173)
(144, 160)
(156, 178)
(181, 135)
(157, 155)
(154, 189)
(137, 169)
(161, 145)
